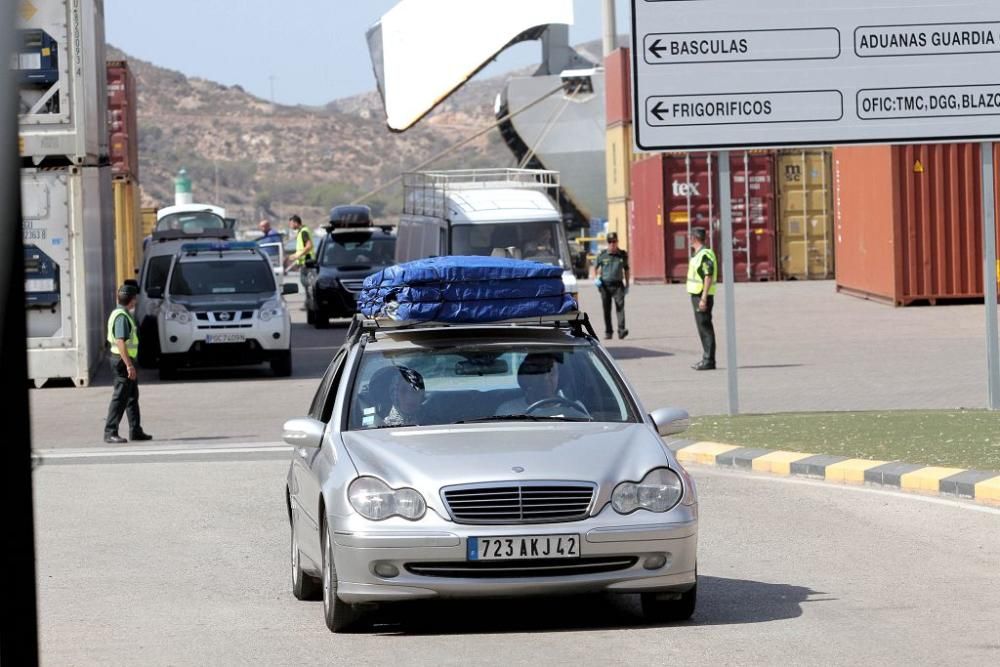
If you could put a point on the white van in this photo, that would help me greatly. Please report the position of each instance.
(491, 212)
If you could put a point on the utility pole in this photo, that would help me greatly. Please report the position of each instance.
(610, 27)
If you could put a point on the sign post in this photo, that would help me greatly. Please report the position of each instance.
(729, 281)
(723, 75)
(990, 276)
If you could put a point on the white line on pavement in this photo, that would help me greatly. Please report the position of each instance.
(55, 454)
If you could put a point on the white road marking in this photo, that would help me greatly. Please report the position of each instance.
(967, 504)
(43, 455)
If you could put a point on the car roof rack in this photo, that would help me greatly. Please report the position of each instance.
(577, 321)
(189, 249)
(179, 234)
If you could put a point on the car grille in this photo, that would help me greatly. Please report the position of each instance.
(352, 284)
(532, 502)
(522, 568)
(225, 319)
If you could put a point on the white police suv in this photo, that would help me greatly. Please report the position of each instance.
(223, 307)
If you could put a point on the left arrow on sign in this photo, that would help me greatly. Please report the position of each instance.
(659, 110)
(657, 49)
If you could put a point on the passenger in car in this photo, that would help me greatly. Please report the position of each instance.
(398, 396)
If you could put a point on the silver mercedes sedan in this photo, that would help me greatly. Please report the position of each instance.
(481, 461)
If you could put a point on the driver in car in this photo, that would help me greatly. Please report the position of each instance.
(538, 377)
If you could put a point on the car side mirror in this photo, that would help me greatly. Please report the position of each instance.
(670, 421)
(289, 288)
(311, 264)
(155, 292)
(304, 433)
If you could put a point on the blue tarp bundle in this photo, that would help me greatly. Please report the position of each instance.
(465, 290)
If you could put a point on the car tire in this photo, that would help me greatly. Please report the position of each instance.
(168, 369)
(657, 610)
(282, 365)
(310, 315)
(339, 615)
(149, 347)
(321, 320)
(304, 586)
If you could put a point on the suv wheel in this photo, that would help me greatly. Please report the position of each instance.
(321, 320)
(168, 369)
(282, 364)
(310, 315)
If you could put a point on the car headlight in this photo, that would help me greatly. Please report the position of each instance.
(374, 499)
(175, 312)
(271, 310)
(659, 491)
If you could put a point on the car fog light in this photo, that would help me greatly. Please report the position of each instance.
(276, 336)
(386, 570)
(173, 339)
(655, 562)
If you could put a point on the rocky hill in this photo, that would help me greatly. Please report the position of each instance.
(266, 159)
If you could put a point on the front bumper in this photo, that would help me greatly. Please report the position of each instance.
(335, 301)
(607, 538)
(262, 340)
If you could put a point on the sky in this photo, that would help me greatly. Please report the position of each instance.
(315, 50)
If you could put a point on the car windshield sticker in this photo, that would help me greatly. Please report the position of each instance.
(368, 420)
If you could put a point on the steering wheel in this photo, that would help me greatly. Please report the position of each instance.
(557, 400)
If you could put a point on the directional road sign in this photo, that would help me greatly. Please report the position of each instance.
(733, 74)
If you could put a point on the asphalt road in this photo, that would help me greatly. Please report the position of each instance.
(802, 347)
(185, 564)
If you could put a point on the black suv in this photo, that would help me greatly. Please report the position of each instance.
(344, 259)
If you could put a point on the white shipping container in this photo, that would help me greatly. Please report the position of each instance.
(63, 115)
(67, 219)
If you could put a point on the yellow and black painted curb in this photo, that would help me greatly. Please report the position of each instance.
(978, 485)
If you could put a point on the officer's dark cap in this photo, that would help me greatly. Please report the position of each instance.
(613, 237)
(128, 291)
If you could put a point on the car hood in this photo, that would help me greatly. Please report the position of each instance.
(204, 302)
(428, 458)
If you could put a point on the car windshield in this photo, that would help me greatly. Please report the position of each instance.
(193, 222)
(362, 248)
(483, 383)
(221, 277)
(157, 271)
(539, 241)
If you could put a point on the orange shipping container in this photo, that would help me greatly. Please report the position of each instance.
(618, 157)
(123, 122)
(618, 218)
(618, 87)
(909, 223)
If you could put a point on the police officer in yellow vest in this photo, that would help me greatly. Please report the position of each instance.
(703, 273)
(123, 337)
(304, 250)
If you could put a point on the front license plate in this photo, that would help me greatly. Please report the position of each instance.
(225, 338)
(524, 548)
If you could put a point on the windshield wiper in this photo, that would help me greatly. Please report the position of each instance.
(518, 418)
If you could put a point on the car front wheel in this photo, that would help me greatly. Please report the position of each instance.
(339, 615)
(660, 608)
(304, 586)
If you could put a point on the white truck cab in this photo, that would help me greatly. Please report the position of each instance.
(488, 212)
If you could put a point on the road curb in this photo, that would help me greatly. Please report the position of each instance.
(978, 485)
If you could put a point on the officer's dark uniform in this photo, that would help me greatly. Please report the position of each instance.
(125, 395)
(612, 268)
